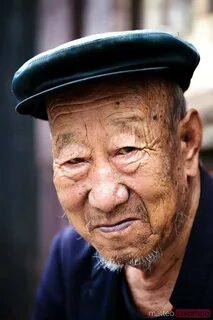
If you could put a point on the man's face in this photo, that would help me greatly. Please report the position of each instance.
(115, 170)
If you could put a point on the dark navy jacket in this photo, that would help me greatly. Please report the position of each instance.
(72, 288)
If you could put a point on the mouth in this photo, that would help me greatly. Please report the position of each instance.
(119, 226)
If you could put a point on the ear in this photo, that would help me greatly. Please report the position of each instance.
(190, 135)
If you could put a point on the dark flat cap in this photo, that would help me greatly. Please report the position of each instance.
(101, 56)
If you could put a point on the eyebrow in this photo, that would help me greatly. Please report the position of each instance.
(63, 139)
(133, 118)
(126, 123)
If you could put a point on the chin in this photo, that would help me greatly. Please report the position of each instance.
(117, 263)
(141, 255)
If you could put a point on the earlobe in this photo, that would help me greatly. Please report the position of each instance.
(190, 134)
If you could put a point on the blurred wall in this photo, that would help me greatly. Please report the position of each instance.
(18, 196)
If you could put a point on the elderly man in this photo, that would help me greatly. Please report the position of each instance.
(127, 174)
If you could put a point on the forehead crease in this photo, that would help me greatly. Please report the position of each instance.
(62, 105)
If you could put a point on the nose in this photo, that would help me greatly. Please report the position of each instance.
(106, 192)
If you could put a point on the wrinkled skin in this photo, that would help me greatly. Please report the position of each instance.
(115, 158)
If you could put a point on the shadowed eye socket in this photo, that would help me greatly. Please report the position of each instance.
(126, 150)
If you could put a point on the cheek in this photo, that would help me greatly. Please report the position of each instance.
(153, 182)
(70, 194)
(71, 197)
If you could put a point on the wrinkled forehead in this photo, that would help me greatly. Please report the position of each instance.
(125, 94)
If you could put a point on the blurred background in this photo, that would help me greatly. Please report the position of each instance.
(30, 214)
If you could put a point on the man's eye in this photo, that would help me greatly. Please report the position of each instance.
(126, 150)
(75, 161)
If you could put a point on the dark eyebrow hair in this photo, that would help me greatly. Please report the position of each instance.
(63, 139)
(126, 123)
(133, 118)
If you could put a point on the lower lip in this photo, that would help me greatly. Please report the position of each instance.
(117, 227)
